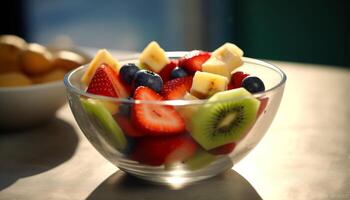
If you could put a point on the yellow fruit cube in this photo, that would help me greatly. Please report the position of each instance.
(153, 57)
(102, 56)
(206, 84)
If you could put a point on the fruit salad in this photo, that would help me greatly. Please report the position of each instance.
(218, 112)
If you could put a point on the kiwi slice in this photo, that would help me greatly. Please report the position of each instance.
(199, 160)
(114, 133)
(225, 118)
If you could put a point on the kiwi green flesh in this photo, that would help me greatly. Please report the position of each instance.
(114, 134)
(216, 124)
(199, 160)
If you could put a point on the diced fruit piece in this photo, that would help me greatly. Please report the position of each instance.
(230, 54)
(128, 128)
(193, 61)
(236, 80)
(111, 106)
(199, 160)
(226, 118)
(106, 82)
(127, 72)
(155, 119)
(112, 132)
(178, 72)
(205, 84)
(253, 84)
(263, 104)
(216, 66)
(157, 151)
(102, 56)
(224, 149)
(187, 111)
(177, 88)
(166, 71)
(153, 57)
(189, 96)
(149, 79)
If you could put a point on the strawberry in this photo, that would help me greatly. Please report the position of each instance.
(165, 72)
(155, 119)
(263, 104)
(193, 61)
(236, 80)
(177, 88)
(106, 82)
(156, 151)
(127, 127)
(224, 149)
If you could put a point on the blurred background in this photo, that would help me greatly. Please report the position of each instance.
(312, 31)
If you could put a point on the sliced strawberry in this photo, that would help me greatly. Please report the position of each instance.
(106, 82)
(156, 151)
(263, 104)
(193, 61)
(236, 80)
(127, 127)
(155, 119)
(177, 88)
(165, 72)
(224, 149)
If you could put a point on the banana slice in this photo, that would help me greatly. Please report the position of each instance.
(153, 57)
(206, 84)
(216, 66)
(102, 56)
(230, 54)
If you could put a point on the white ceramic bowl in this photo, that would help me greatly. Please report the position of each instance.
(29, 106)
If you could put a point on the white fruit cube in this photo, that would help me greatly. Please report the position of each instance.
(102, 56)
(216, 66)
(153, 57)
(205, 84)
(230, 54)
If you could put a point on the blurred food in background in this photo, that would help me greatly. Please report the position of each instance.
(23, 64)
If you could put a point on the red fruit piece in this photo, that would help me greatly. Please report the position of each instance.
(177, 88)
(224, 149)
(165, 72)
(155, 119)
(193, 61)
(156, 151)
(263, 104)
(106, 82)
(128, 128)
(236, 80)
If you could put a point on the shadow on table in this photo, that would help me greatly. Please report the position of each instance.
(35, 151)
(229, 185)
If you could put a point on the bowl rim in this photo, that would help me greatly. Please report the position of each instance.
(171, 54)
(26, 88)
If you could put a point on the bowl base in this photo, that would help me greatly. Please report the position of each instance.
(178, 177)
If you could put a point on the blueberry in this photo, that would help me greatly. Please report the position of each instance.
(125, 108)
(178, 72)
(148, 79)
(253, 84)
(127, 72)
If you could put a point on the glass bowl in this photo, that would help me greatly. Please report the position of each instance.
(173, 159)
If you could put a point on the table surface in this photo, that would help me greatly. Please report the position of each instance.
(304, 155)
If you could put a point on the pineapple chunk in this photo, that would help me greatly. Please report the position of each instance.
(102, 56)
(229, 54)
(189, 96)
(216, 66)
(153, 57)
(206, 84)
